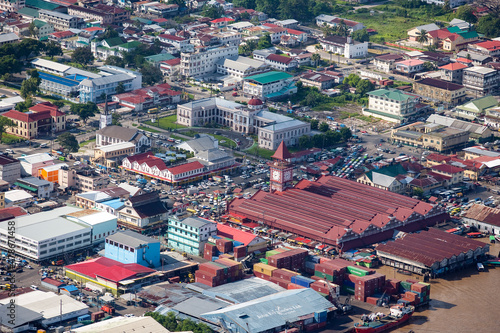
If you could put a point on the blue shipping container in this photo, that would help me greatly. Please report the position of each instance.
(236, 243)
(84, 317)
(320, 317)
(215, 258)
(302, 280)
(349, 284)
(314, 259)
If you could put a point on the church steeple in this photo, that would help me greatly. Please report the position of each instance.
(106, 117)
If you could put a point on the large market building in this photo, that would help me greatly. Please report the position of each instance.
(333, 210)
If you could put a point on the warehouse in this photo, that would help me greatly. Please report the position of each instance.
(433, 252)
(338, 212)
(273, 312)
(124, 324)
(243, 291)
(54, 308)
(485, 219)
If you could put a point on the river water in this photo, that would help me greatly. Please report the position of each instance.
(466, 301)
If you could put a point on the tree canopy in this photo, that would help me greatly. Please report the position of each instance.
(361, 35)
(4, 123)
(264, 42)
(151, 74)
(82, 55)
(69, 142)
(84, 111)
(489, 25)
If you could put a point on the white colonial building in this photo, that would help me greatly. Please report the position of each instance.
(237, 68)
(345, 46)
(269, 85)
(391, 104)
(203, 61)
(271, 128)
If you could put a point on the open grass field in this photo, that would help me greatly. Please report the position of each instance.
(166, 123)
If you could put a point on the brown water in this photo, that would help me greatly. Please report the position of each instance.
(465, 301)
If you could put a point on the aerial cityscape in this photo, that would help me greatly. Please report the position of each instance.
(274, 166)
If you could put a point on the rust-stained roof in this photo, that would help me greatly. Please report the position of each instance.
(484, 214)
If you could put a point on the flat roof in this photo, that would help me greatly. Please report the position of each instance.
(196, 222)
(47, 303)
(124, 324)
(269, 77)
(244, 290)
(131, 238)
(116, 146)
(55, 66)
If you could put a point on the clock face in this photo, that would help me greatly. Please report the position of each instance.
(288, 175)
(276, 175)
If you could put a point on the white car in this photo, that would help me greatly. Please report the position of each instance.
(129, 315)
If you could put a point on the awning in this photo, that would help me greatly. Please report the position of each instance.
(27, 187)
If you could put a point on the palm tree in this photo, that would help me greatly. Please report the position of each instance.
(422, 37)
(330, 53)
(316, 59)
(327, 30)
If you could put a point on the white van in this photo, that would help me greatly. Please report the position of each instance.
(9, 151)
(33, 287)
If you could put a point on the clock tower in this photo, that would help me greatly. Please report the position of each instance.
(280, 170)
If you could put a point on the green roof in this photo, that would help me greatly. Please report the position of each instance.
(39, 23)
(27, 187)
(468, 34)
(385, 114)
(159, 57)
(390, 170)
(39, 4)
(143, 20)
(269, 77)
(479, 105)
(130, 45)
(394, 94)
(28, 12)
(115, 41)
(454, 30)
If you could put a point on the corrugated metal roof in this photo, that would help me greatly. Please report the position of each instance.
(269, 312)
(244, 290)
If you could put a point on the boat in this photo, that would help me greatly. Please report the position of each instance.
(379, 322)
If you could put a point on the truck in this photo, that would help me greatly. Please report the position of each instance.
(108, 309)
(58, 262)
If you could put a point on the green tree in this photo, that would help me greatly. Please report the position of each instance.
(417, 191)
(346, 134)
(305, 141)
(32, 29)
(295, 9)
(213, 12)
(361, 35)
(53, 49)
(59, 104)
(352, 80)
(364, 86)
(323, 127)
(422, 37)
(82, 55)
(69, 142)
(428, 66)
(270, 7)
(489, 25)
(466, 13)
(250, 4)
(4, 124)
(314, 124)
(120, 88)
(151, 74)
(264, 42)
(326, 29)
(316, 58)
(115, 119)
(29, 87)
(84, 111)
(109, 33)
(9, 64)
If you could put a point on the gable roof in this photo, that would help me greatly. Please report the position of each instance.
(454, 66)
(115, 41)
(185, 168)
(282, 152)
(279, 58)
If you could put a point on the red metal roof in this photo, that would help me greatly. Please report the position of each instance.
(279, 58)
(454, 66)
(109, 269)
(322, 210)
(446, 168)
(171, 37)
(63, 34)
(295, 32)
(222, 19)
(490, 45)
(282, 152)
(236, 234)
(185, 167)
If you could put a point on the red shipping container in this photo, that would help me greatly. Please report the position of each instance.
(342, 262)
(284, 274)
(240, 251)
(210, 247)
(372, 300)
(294, 286)
(224, 245)
(262, 276)
(412, 281)
(352, 278)
(280, 282)
(360, 298)
(323, 260)
(212, 269)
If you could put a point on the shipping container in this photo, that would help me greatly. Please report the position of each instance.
(302, 280)
(294, 286)
(284, 274)
(263, 268)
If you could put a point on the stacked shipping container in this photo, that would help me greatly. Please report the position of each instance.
(219, 272)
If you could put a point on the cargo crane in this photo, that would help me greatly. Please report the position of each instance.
(247, 258)
(341, 308)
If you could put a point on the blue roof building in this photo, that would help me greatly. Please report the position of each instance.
(69, 290)
(59, 85)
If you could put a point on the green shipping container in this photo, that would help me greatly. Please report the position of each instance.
(271, 253)
(405, 285)
(356, 271)
(264, 261)
(325, 276)
(348, 290)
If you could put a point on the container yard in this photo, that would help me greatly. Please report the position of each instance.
(433, 252)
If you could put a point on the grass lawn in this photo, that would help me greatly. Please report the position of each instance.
(176, 137)
(84, 143)
(166, 123)
(9, 139)
(345, 115)
(228, 142)
(388, 25)
(148, 129)
(261, 152)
